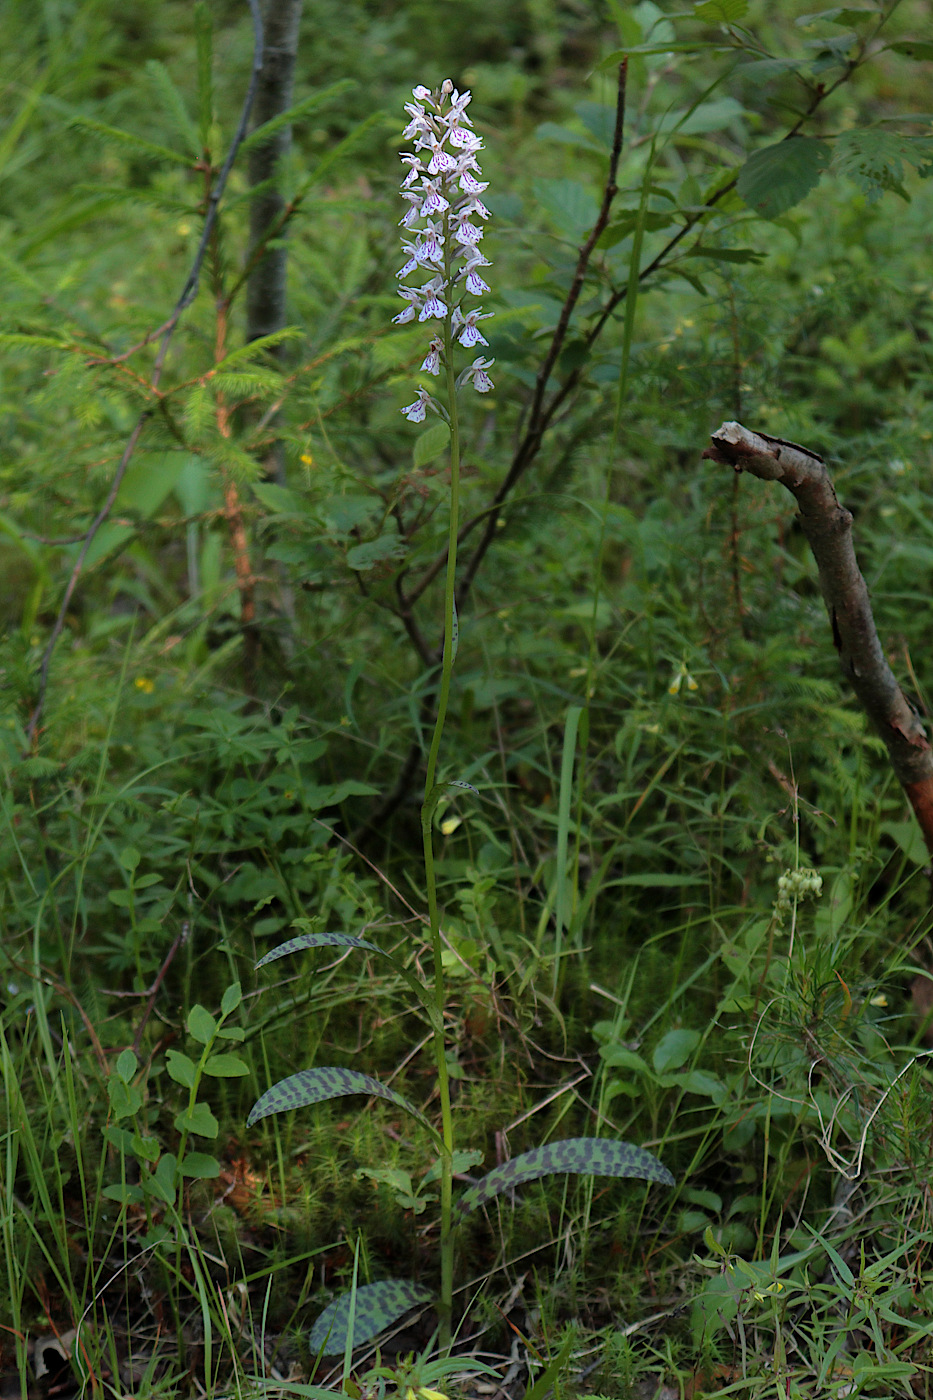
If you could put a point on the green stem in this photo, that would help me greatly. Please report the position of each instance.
(427, 829)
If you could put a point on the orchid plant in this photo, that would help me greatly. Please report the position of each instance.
(443, 228)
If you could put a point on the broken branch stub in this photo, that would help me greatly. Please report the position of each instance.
(828, 528)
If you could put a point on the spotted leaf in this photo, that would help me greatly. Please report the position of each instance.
(349, 940)
(316, 940)
(311, 1086)
(578, 1156)
(375, 1307)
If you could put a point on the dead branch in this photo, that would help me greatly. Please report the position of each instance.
(828, 528)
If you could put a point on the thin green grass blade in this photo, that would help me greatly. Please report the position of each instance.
(548, 1378)
(562, 900)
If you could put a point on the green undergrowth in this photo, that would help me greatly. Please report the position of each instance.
(684, 903)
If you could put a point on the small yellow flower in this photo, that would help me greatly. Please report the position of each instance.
(144, 684)
(682, 677)
(879, 1000)
(307, 459)
(449, 825)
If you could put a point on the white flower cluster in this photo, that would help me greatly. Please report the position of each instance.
(445, 221)
(797, 885)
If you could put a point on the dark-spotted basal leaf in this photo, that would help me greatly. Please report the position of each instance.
(349, 940)
(311, 1086)
(377, 1306)
(577, 1156)
(773, 180)
(317, 940)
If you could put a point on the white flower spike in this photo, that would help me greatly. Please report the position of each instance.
(443, 225)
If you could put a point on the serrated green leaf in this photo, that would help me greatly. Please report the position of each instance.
(773, 180)
(875, 158)
(225, 1066)
(721, 11)
(576, 1156)
(201, 1025)
(130, 858)
(430, 444)
(372, 552)
(375, 1306)
(278, 499)
(311, 1086)
(181, 1068)
(197, 1119)
(571, 205)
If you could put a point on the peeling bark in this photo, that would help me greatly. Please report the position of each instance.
(828, 528)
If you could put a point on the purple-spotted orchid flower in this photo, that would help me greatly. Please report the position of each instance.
(443, 224)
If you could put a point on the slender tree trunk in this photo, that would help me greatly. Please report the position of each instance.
(828, 528)
(265, 292)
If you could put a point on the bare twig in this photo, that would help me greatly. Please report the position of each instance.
(540, 416)
(828, 528)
